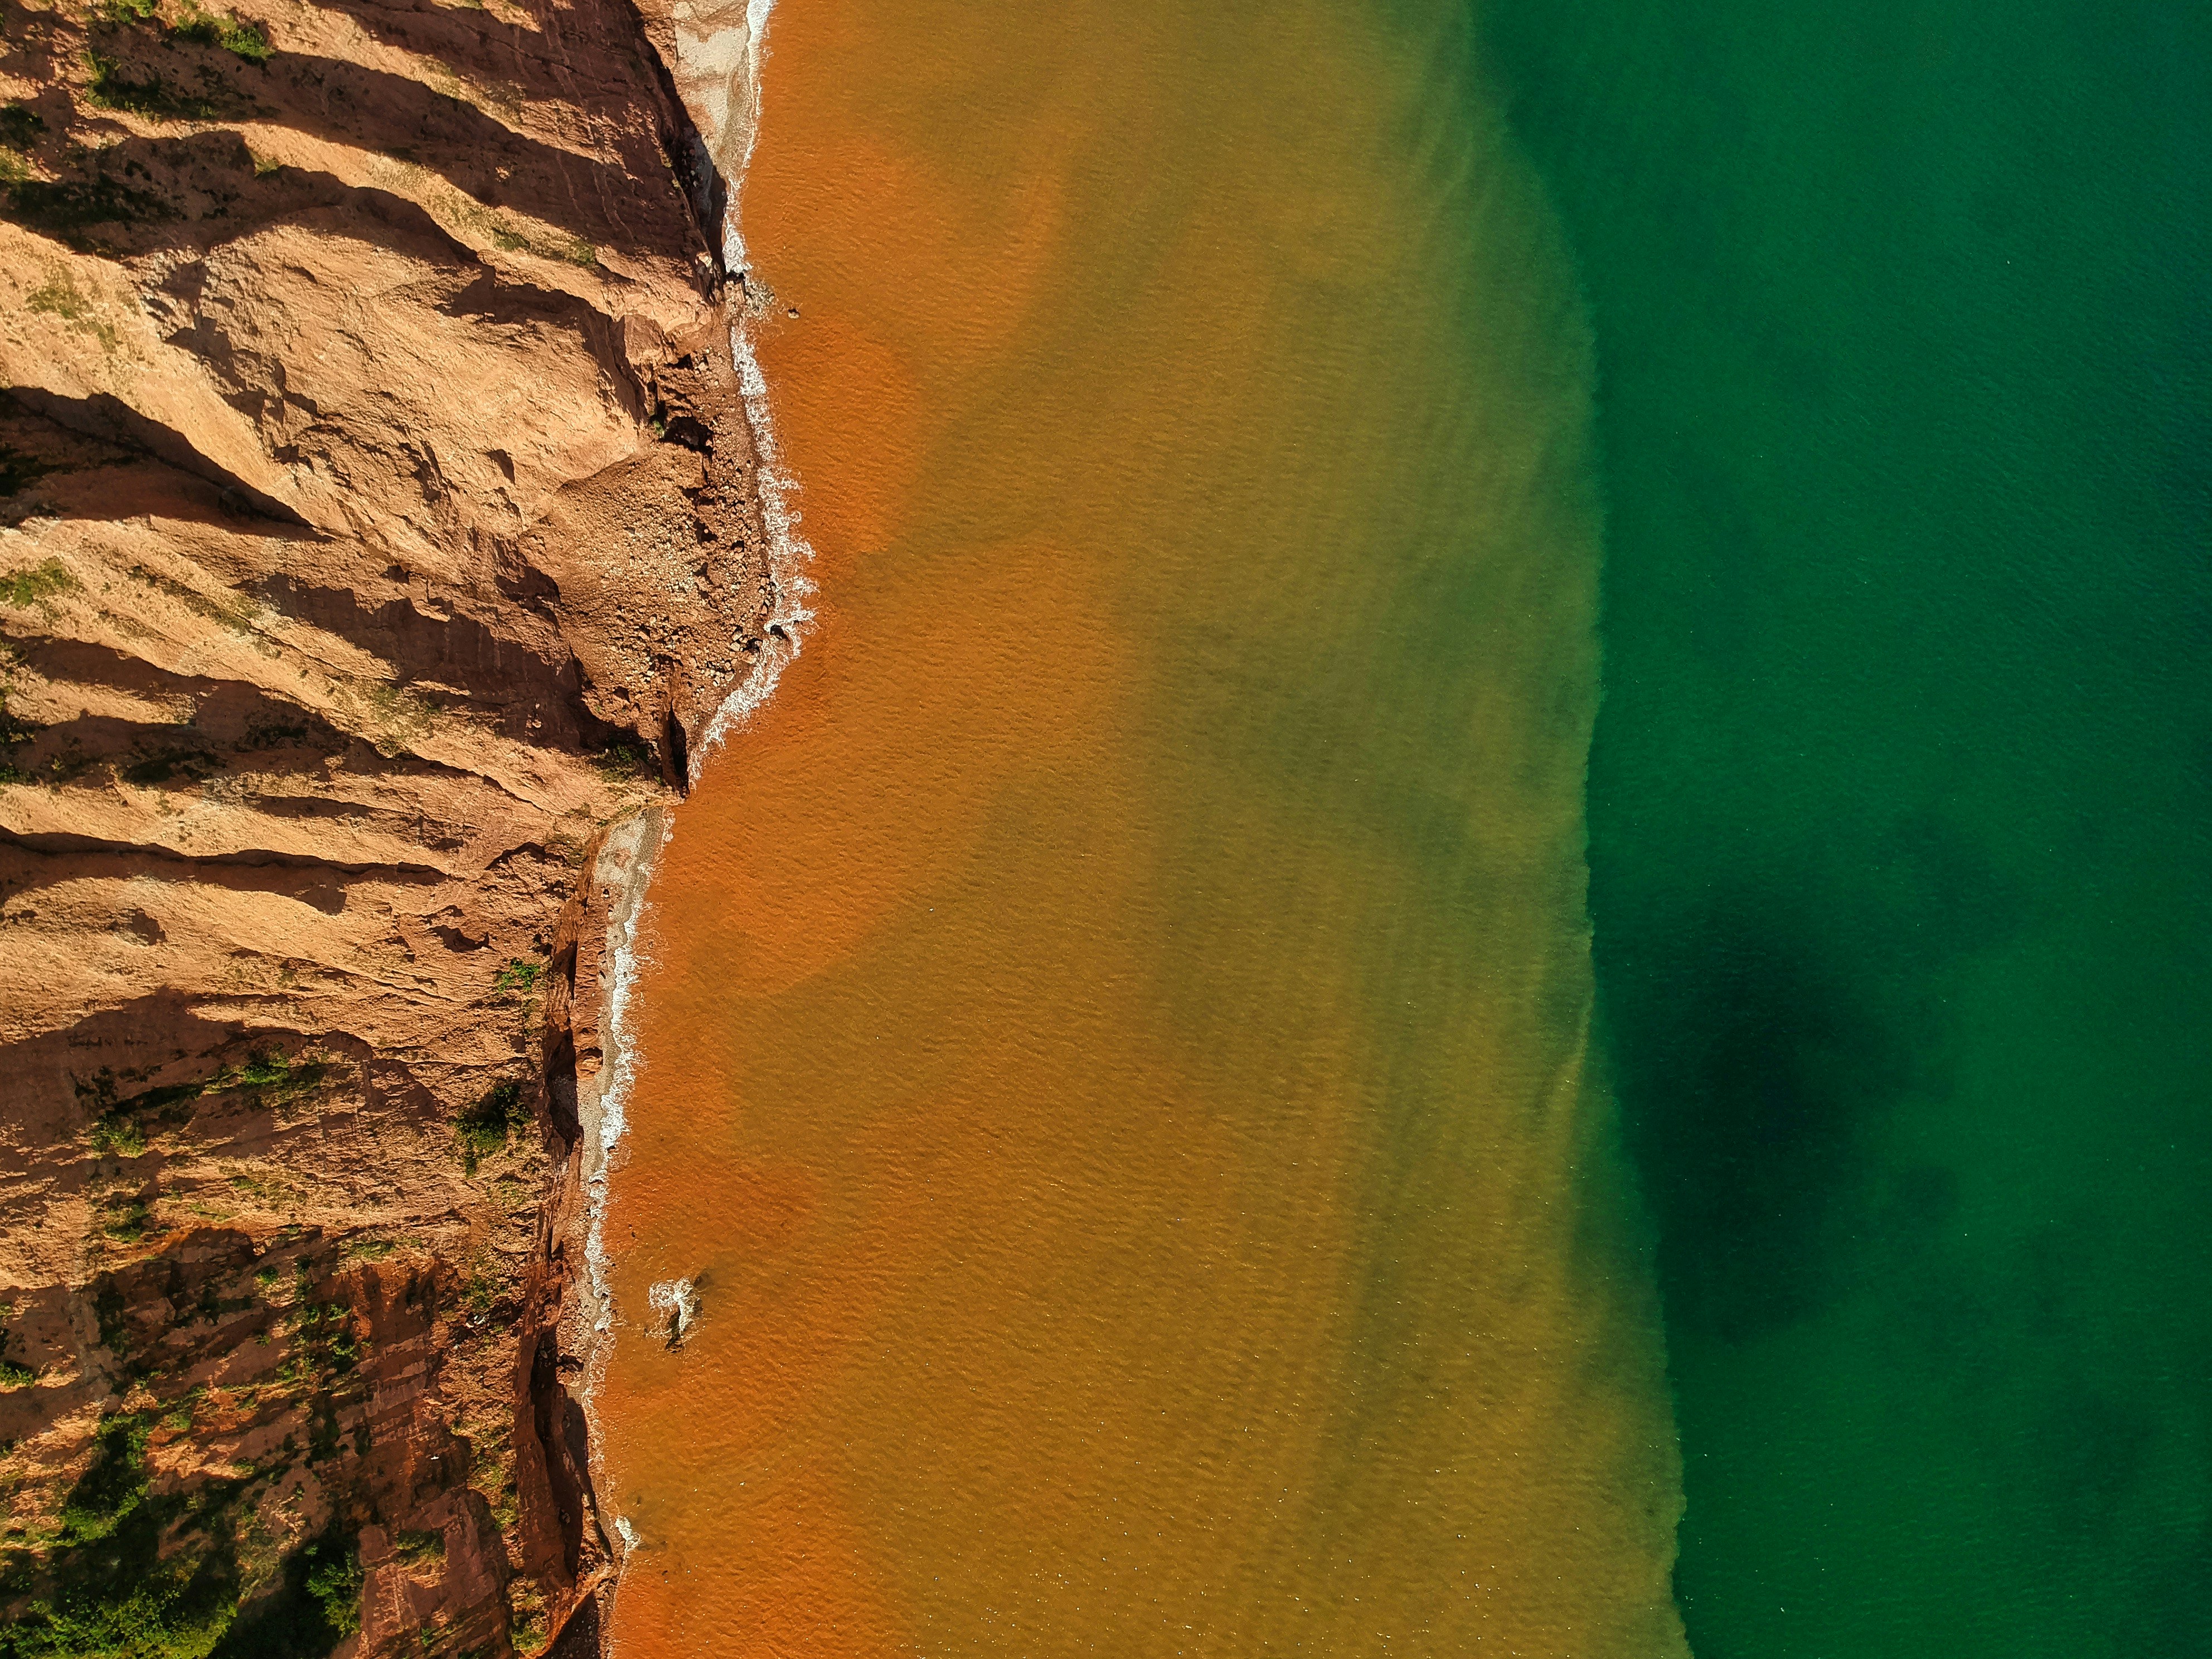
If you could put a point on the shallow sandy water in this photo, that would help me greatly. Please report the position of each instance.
(1112, 1052)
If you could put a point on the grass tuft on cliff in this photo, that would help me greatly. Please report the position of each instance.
(483, 1128)
(127, 1218)
(625, 763)
(269, 1068)
(15, 730)
(244, 40)
(118, 1133)
(270, 1076)
(111, 88)
(248, 41)
(40, 584)
(518, 977)
(113, 1484)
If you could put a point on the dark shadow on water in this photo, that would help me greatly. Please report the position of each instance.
(1756, 1072)
(1768, 1035)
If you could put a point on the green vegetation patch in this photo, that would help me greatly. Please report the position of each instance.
(13, 1375)
(248, 41)
(14, 728)
(325, 1346)
(112, 89)
(270, 1076)
(527, 1603)
(624, 762)
(40, 584)
(57, 297)
(149, 1617)
(117, 1132)
(316, 1608)
(334, 1580)
(62, 205)
(483, 1128)
(518, 976)
(284, 1076)
(19, 131)
(162, 1581)
(406, 718)
(244, 40)
(127, 1218)
(113, 1484)
(477, 1293)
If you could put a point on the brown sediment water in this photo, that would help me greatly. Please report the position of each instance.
(1111, 1037)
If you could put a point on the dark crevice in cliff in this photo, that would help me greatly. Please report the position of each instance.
(564, 1435)
(214, 866)
(535, 693)
(108, 418)
(676, 753)
(139, 193)
(706, 193)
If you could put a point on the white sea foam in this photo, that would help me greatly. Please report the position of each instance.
(717, 71)
(676, 1300)
(719, 45)
(788, 556)
(636, 848)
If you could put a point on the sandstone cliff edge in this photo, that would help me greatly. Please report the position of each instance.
(378, 533)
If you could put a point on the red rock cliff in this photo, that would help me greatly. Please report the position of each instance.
(376, 530)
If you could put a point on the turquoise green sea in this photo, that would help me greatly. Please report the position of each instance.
(1900, 791)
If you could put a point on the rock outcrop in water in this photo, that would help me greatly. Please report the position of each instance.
(376, 528)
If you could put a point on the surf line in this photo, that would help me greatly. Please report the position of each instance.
(718, 50)
(719, 46)
(717, 72)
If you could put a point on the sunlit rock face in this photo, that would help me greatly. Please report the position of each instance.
(376, 530)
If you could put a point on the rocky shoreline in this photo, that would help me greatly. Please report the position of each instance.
(379, 535)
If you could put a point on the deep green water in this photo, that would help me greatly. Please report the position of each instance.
(1900, 792)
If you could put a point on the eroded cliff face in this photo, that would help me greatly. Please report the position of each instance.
(377, 529)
